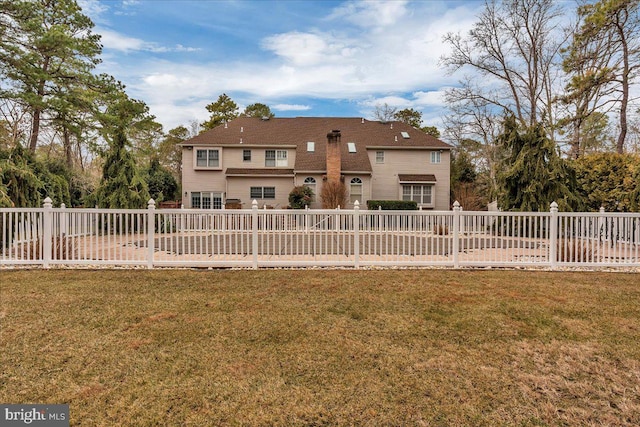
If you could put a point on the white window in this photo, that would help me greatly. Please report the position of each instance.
(379, 156)
(421, 194)
(246, 155)
(405, 135)
(435, 156)
(355, 190)
(263, 193)
(270, 158)
(351, 146)
(311, 183)
(281, 158)
(275, 158)
(311, 146)
(206, 200)
(208, 158)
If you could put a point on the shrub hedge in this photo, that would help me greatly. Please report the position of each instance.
(392, 205)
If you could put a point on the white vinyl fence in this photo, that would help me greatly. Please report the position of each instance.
(355, 238)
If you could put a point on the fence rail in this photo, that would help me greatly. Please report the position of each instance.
(256, 238)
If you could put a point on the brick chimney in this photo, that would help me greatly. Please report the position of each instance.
(334, 162)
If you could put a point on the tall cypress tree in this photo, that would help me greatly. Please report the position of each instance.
(122, 185)
(533, 174)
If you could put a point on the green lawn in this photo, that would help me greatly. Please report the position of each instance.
(323, 347)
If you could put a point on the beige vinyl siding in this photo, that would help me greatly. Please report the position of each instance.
(385, 184)
(240, 187)
(199, 180)
(233, 157)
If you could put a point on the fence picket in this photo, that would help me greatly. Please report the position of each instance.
(256, 238)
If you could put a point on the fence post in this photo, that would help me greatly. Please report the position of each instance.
(456, 234)
(47, 232)
(553, 236)
(602, 234)
(254, 233)
(356, 234)
(64, 223)
(601, 225)
(151, 228)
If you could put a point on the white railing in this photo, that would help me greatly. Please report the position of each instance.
(256, 238)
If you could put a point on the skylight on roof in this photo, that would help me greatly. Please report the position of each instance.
(311, 146)
(351, 146)
(405, 135)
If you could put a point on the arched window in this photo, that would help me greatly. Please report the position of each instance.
(355, 190)
(311, 183)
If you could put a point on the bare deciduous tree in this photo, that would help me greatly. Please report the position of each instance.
(384, 113)
(14, 126)
(513, 45)
(333, 195)
(473, 127)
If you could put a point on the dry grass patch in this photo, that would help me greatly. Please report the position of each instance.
(409, 347)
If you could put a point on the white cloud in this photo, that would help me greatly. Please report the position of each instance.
(369, 14)
(430, 98)
(365, 66)
(291, 107)
(392, 101)
(298, 48)
(117, 41)
(114, 40)
(172, 116)
(94, 9)
(306, 49)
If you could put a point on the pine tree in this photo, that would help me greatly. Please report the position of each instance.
(222, 111)
(409, 116)
(258, 110)
(604, 59)
(47, 50)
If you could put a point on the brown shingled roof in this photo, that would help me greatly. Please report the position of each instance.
(417, 178)
(300, 130)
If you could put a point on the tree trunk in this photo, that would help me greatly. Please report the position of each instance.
(35, 130)
(37, 111)
(625, 85)
(68, 154)
(575, 141)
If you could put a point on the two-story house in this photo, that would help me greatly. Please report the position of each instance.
(263, 159)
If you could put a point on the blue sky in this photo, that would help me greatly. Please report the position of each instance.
(326, 58)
